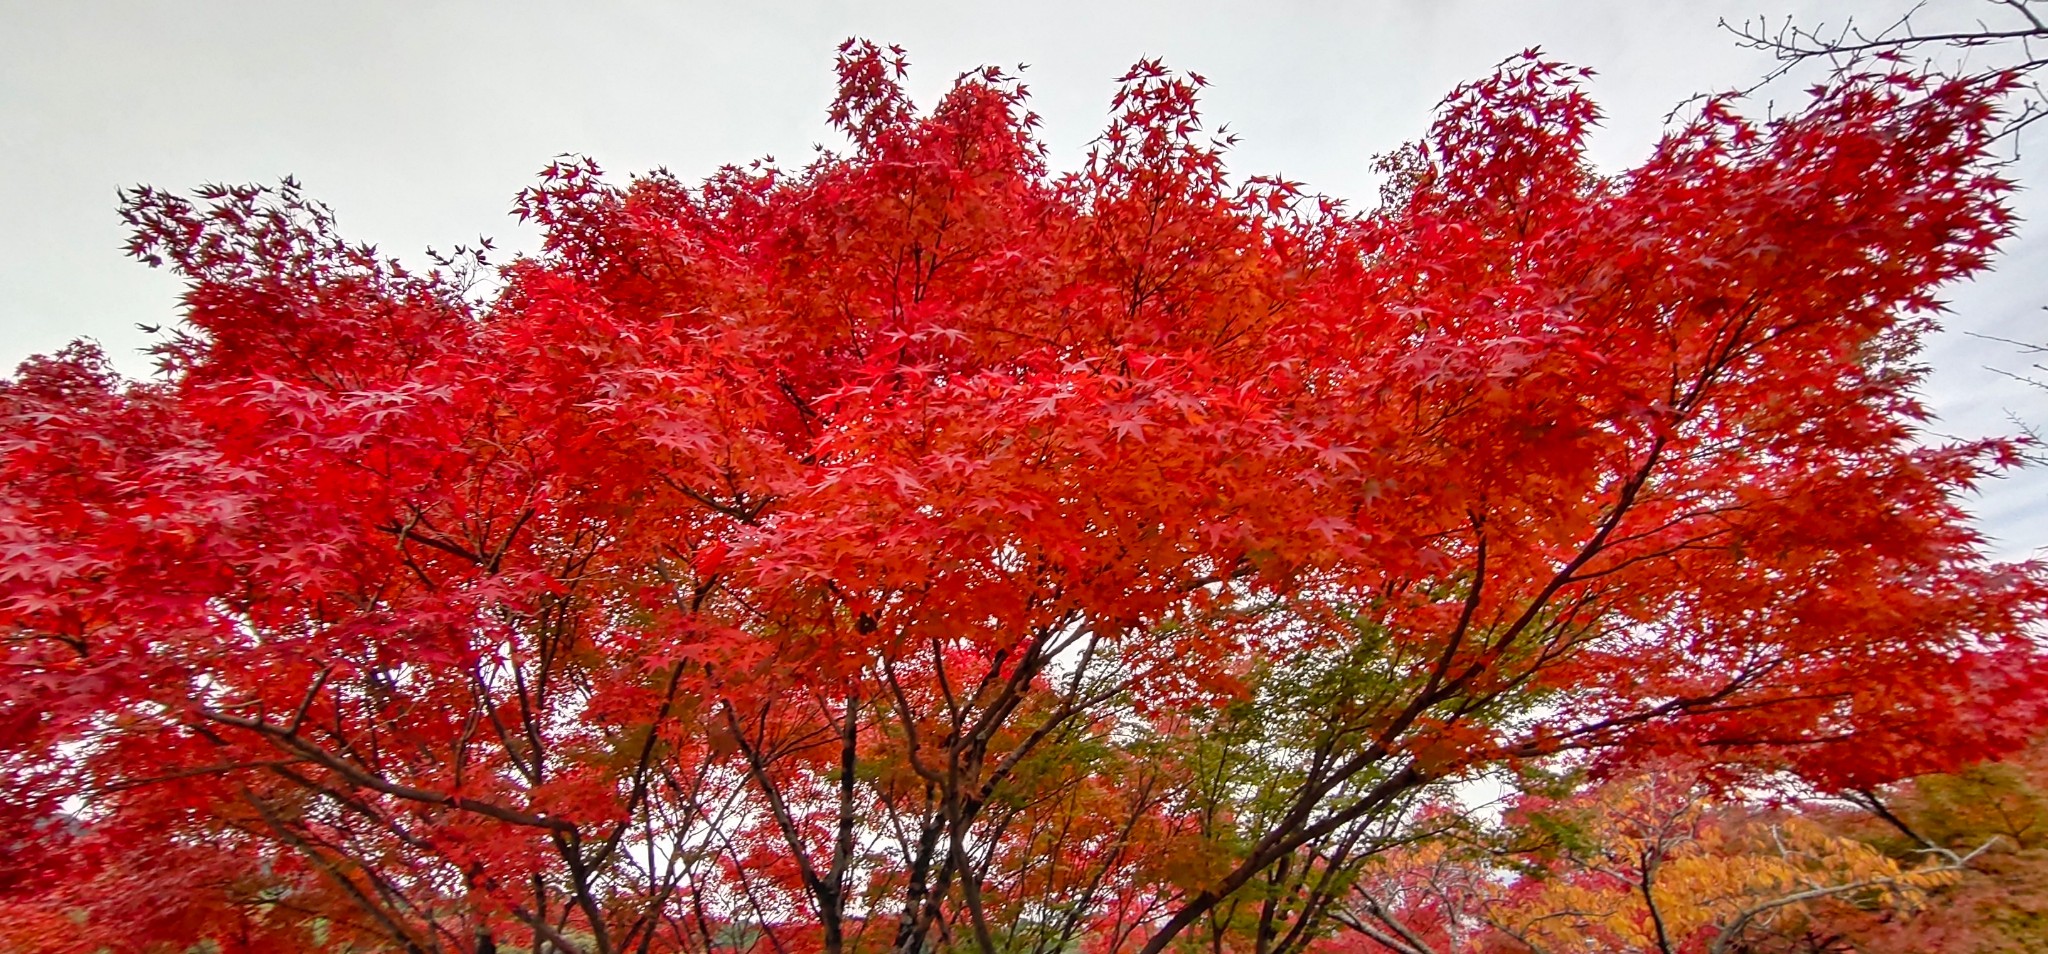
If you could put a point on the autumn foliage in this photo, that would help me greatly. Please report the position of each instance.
(925, 550)
(1661, 860)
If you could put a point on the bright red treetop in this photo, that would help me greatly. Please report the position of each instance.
(897, 553)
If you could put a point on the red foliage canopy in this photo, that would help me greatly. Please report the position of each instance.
(896, 553)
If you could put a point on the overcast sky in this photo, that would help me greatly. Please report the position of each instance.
(418, 121)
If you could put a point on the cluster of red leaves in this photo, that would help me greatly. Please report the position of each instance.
(807, 552)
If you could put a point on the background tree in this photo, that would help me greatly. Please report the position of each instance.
(2000, 903)
(2006, 41)
(1659, 860)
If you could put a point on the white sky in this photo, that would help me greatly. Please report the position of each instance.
(418, 121)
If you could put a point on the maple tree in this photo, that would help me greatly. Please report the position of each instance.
(1667, 857)
(923, 550)
(1996, 810)
(1661, 860)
